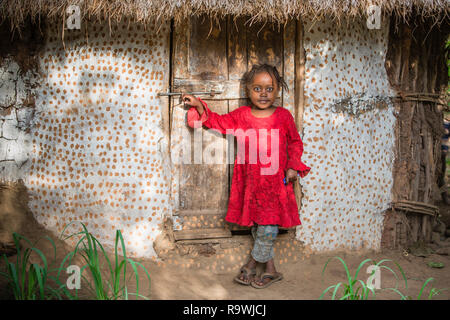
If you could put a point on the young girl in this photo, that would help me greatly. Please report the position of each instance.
(258, 199)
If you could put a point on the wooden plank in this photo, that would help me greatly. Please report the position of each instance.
(231, 89)
(238, 239)
(427, 157)
(299, 94)
(180, 59)
(201, 241)
(416, 154)
(265, 45)
(207, 49)
(416, 203)
(199, 186)
(203, 187)
(418, 207)
(414, 223)
(202, 234)
(237, 60)
(300, 61)
(414, 209)
(237, 67)
(289, 63)
(237, 48)
(164, 102)
(425, 228)
(205, 212)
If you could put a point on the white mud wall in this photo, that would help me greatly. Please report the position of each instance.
(97, 148)
(16, 113)
(350, 150)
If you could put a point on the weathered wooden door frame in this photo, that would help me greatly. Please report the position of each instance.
(296, 62)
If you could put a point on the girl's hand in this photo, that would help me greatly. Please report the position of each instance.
(291, 175)
(192, 101)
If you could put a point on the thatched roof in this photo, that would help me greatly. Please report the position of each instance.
(257, 10)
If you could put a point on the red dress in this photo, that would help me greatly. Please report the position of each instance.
(259, 196)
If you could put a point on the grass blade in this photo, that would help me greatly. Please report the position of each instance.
(335, 290)
(326, 290)
(423, 287)
(360, 266)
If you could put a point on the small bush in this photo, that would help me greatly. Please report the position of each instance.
(113, 285)
(28, 280)
(356, 289)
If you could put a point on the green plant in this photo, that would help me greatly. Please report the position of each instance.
(354, 288)
(28, 280)
(433, 291)
(92, 251)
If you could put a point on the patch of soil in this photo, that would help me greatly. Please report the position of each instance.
(209, 269)
(303, 278)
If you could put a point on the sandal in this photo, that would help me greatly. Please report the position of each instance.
(274, 277)
(249, 274)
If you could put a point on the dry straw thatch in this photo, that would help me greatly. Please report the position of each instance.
(143, 11)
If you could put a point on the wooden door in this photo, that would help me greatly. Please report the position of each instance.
(213, 56)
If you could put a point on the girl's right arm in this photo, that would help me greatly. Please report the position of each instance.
(194, 102)
(200, 114)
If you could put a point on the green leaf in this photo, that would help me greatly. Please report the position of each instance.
(326, 290)
(423, 287)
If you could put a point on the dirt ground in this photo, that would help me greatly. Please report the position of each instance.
(206, 271)
(201, 277)
(303, 279)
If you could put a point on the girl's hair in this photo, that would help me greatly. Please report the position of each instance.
(258, 68)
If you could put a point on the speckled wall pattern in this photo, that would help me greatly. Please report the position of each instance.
(98, 140)
(351, 156)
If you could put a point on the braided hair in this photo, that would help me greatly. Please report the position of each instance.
(271, 70)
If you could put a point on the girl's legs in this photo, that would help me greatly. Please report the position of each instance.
(251, 264)
(264, 236)
(258, 250)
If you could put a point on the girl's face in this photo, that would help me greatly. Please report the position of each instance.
(263, 91)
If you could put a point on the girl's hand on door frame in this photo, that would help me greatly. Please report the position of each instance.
(192, 101)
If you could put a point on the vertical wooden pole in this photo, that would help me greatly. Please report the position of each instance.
(300, 60)
(299, 91)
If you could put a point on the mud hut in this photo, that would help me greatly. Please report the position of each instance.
(89, 130)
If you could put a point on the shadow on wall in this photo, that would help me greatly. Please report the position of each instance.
(20, 47)
(14, 213)
(23, 44)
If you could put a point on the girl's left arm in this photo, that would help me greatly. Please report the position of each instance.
(295, 149)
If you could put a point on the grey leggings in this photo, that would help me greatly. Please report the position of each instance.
(264, 236)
